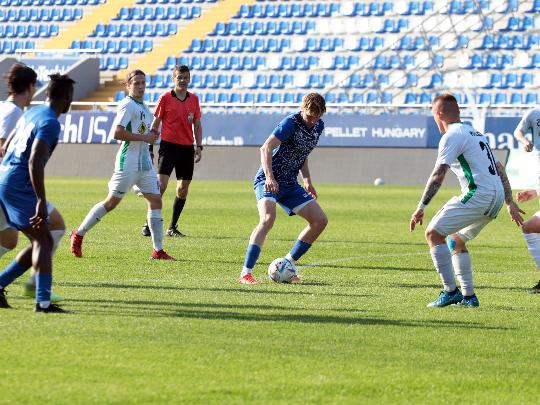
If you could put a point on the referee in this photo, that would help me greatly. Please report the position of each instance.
(179, 115)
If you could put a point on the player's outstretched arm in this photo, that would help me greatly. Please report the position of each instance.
(433, 185)
(36, 168)
(513, 210)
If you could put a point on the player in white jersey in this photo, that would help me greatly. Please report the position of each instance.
(484, 186)
(530, 122)
(133, 166)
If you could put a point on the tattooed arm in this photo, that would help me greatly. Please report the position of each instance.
(433, 185)
(513, 210)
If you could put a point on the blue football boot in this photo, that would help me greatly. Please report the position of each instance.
(447, 298)
(471, 301)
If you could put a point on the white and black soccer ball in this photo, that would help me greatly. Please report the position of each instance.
(281, 270)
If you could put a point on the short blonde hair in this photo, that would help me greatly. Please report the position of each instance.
(314, 104)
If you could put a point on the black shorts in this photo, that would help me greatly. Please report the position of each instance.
(181, 158)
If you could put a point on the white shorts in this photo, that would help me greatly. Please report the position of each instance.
(122, 182)
(467, 217)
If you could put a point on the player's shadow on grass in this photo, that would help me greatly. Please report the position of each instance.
(141, 309)
(154, 306)
(240, 289)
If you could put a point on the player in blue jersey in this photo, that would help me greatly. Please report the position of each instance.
(22, 191)
(21, 84)
(283, 156)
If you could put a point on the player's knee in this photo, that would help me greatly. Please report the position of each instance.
(320, 223)
(434, 237)
(267, 223)
(456, 245)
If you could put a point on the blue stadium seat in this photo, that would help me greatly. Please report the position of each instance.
(357, 98)
(500, 98)
(425, 98)
(261, 98)
(235, 63)
(261, 82)
(233, 98)
(288, 98)
(511, 81)
(371, 98)
(526, 80)
(484, 98)
(410, 98)
(535, 8)
(248, 98)
(515, 98)
(274, 98)
(369, 80)
(531, 98)
(119, 96)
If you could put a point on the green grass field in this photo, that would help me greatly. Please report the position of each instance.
(356, 331)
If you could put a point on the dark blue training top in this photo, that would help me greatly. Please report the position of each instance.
(297, 142)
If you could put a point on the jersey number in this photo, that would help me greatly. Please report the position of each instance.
(492, 167)
(20, 140)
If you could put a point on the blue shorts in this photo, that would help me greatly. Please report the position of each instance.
(291, 198)
(19, 206)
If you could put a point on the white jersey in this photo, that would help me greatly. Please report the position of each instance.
(9, 115)
(531, 122)
(467, 153)
(135, 117)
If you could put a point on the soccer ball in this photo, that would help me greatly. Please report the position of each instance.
(281, 270)
(379, 181)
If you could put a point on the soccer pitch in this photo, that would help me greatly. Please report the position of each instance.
(356, 331)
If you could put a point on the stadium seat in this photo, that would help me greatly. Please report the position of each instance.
(500, 98)
(531, 98)
(515, 98)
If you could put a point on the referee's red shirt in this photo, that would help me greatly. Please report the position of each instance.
(177, 117)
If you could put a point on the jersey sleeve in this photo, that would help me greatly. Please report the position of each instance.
(526, 123)
(123, 115)
(284, 129)
(160, 108)
(449, 149)
(8, 123)
(48, 132)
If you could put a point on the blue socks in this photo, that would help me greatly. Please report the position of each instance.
(299, 249)
(12, 272)
(43, 287)
(252, 254)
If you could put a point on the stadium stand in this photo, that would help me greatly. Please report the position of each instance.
(274, 51)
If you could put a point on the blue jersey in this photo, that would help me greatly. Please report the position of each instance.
(297, 142)
(37, 123)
